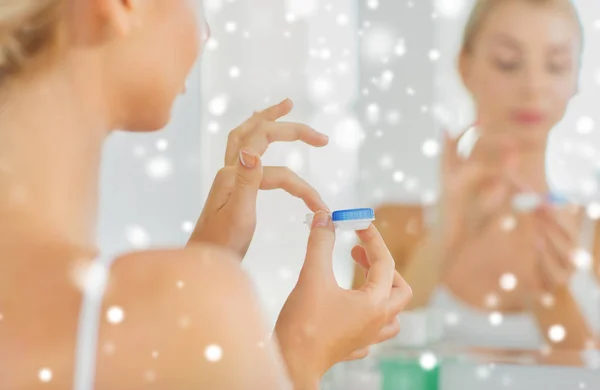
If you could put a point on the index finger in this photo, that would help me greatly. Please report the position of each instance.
(276, 111)
(285, 179)
(381, 274)
(267, 132)
(359, 254)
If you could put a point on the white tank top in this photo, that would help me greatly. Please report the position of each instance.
(89, 322)
(470, 326)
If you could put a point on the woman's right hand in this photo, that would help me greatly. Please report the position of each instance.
(473, 190)
(229, 215)
(321, 323)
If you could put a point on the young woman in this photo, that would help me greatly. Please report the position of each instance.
(520, 61)
(71, 71)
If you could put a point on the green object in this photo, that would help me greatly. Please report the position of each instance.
(406, 373)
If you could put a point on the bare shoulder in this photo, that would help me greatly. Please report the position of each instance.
(182, 317)
(402, 227)
(173, 319)
(167, 271)
(401, 214)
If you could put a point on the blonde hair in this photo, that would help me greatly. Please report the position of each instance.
(483, 8)
(28, 30)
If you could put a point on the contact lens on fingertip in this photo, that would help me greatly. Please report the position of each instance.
(527, 202)
(351, 219)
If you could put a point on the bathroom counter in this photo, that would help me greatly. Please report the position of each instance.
(472, 369)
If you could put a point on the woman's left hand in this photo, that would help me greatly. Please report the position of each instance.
(392, 328)
(556, 244)
(229, 215)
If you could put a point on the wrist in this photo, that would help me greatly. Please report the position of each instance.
(305, 383)
(300, 367)
(300, 374)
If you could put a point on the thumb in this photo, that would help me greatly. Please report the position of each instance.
(248, 177)
(318, 263)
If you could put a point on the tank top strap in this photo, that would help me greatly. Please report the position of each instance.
(94, 286)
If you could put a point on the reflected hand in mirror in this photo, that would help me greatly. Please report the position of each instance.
(477, 188)
(473, 189)
(229, 215)
(556, 243)
(477, 191)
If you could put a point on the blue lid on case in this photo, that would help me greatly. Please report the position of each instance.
(557, 199)
(352, 214)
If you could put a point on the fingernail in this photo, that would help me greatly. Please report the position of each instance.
(556, 200)
(321, 219)
(248, 159)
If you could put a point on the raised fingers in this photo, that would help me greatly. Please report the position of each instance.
(272, 178)
(287, 180)
(264, 133)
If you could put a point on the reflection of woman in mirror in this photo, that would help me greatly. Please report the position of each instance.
(520, 61)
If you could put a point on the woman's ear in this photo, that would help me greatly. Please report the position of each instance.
(115, 17)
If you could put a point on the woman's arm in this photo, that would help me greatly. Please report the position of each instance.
(567, 312)
(424, 270)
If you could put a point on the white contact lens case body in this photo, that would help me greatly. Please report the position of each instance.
(352, 219)
(526, 202)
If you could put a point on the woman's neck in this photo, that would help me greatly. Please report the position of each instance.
(531, 171)
(51, 135)
(531, 165)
